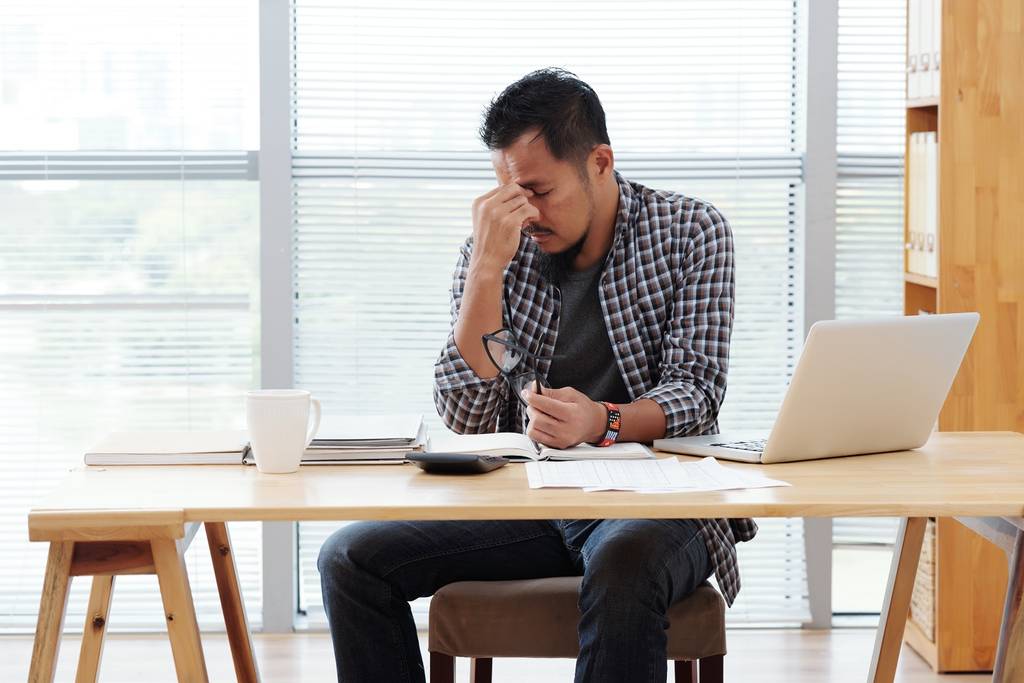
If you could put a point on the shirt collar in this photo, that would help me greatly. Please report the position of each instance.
(626, 216)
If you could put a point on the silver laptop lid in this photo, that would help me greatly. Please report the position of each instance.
(869, 386)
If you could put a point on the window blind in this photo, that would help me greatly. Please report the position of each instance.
(869, 145)
(869, 199)
(701, 97)
(127, 259)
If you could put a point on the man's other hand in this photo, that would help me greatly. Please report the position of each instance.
(498, 218)
(563, 418)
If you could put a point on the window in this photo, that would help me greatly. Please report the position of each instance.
(127, 257)
(701, 97)
(869, 239)
(869, 141)
(128, 243)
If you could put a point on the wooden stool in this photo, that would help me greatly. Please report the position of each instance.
(155, 548)
(538, 618)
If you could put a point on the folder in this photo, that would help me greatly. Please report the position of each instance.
(913, 49)
(936, 45)
(931, 214)
(913, 243)
(917, 184)
(925, 50)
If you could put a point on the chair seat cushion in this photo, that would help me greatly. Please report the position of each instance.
(538, 618)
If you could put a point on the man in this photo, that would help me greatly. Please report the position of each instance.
(622, 297)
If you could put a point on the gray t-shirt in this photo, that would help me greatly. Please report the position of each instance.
(587, 361)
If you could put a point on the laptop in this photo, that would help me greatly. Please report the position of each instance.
(860, 386)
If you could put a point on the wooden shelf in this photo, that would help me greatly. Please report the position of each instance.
(966, 623)
(978, 234)
(923, 280)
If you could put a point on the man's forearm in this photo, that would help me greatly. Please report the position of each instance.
(642, 420)
(479, 314)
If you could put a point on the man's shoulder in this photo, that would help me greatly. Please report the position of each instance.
(674, 213)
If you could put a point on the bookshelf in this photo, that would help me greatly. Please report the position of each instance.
(978, 118)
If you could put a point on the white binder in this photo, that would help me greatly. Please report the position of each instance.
(914, 49)
(924, 59)
(916, 177)
(936, 45)
(931, 214)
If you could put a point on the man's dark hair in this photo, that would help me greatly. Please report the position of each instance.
(564, 108)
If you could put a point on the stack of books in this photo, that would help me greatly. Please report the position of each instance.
(366, 439)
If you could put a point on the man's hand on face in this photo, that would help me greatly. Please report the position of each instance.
(498, 218)
(563, 418)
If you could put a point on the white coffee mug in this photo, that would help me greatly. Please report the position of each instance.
(278, 420)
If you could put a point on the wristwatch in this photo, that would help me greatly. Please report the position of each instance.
(611, 434)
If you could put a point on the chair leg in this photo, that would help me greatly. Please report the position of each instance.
(480, 669)
(442, 668)
(712, 669)
(686, 671)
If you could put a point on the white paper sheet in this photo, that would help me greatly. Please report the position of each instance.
(666, 475)
(629, 474)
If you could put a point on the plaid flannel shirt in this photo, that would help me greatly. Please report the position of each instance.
(667, 292)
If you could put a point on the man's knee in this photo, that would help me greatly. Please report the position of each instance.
(349, 550)
(631, 564)
(622, 591)
(624, 562)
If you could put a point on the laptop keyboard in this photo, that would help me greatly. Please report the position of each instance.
(757, 445)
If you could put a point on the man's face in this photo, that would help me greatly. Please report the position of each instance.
(565, 202)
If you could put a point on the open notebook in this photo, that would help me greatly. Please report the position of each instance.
(519, 447)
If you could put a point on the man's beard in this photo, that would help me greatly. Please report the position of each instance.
(553, 267)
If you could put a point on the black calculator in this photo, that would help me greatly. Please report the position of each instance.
(456, 463)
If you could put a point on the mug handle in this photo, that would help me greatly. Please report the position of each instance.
(316, 422)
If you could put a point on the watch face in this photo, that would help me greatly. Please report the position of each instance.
(614, 424)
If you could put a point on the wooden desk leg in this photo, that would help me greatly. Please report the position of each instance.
(235, 622)
(896, 605)
(1009, 664)
(96, 618)
(52, 607)
(180, 612)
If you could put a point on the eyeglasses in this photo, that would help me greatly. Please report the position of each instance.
(515, 363)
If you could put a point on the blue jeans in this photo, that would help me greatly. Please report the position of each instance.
(633, 570)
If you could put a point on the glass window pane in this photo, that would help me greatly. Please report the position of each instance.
(114, 75)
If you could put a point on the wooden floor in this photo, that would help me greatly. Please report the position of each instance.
(766, 656)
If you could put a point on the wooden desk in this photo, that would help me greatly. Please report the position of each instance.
(106, 521)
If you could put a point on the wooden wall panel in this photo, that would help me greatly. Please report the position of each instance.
(981, 169)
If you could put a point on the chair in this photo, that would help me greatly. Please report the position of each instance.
(538, 618)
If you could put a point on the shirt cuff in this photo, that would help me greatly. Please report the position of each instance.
(453, 373)
(683, 415)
